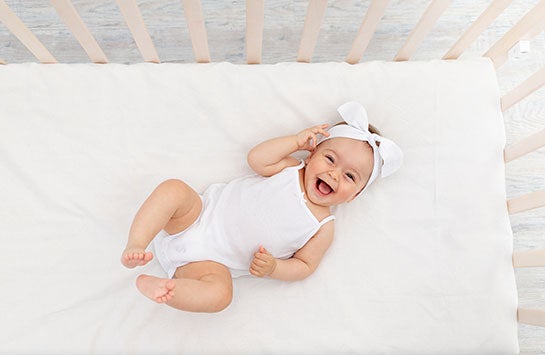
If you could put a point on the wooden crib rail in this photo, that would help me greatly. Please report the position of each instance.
(527, 24)
(473, 32)
(374, 14)
(197, 30)
(531, 316)
(313, 21)
(18, 28)
(529, 258)
(136, 25)
(534, 82)
(424, 26)
(525, 146)
(526, 202)
(531, 24)
(255, 13)
(73, 21)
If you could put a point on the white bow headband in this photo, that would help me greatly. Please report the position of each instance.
(388, 157)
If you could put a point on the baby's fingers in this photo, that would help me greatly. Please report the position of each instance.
(261, 256)
(260, 262)
(256, 271)
(254, 263)
(323, 126)
(321, 129)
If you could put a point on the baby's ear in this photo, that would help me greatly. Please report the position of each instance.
(310, 156)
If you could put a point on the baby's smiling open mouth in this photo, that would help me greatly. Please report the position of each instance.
(323, 187)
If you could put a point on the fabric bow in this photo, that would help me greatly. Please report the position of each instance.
(388, 157)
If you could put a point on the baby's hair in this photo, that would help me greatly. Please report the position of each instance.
(371, 128)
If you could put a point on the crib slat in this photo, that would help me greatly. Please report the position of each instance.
(529, 258)
(499, 51)
(18, 28)
(255, 12)
(525, 146)
(135, 22)
(531, 316)
(526, 202)
(540, 27)
(374, 14)
(72, 19)
(197, 30)
(473, 32)
(534, 82)
(424, 26)
(313, 22)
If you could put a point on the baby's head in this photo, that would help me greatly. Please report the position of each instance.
(337, 170)
(344, 164)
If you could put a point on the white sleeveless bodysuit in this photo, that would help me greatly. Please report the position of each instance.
(237, 218)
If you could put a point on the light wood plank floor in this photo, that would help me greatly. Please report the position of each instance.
(225, 23)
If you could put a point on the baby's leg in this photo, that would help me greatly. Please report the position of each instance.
(203, 286)
(172, 206)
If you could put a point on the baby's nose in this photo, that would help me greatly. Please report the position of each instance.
(333, 175)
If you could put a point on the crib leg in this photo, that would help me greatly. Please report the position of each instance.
(172, 206)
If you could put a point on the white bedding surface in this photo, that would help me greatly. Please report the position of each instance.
(420, 264)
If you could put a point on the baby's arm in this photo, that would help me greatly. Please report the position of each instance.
(303, 263)
(272, 156)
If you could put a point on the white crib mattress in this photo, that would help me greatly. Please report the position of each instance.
(420, 264)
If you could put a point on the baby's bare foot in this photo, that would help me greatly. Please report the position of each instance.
(135, 257)
(156, 289)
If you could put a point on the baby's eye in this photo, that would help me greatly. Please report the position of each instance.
(330, 158)
(351, 176)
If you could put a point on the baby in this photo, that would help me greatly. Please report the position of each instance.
(276, 223)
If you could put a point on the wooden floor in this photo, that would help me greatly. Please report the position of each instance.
(225, 24)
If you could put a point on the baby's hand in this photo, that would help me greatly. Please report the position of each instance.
(307, 140)
(263, 264)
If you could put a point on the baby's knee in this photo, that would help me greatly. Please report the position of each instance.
(222, 299)
(175, 187)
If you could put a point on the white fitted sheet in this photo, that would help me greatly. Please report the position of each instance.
(420, 264)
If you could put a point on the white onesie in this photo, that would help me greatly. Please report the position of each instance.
(237, 218)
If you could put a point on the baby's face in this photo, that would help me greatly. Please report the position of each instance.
(337, 171)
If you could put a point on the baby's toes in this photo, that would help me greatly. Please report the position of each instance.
(131, 259)
(131, 256)
(144, 258)
(162, 299)
(138, 256)
(170, 286)
(139, 259)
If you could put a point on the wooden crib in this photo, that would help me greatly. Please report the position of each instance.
(530, 25)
